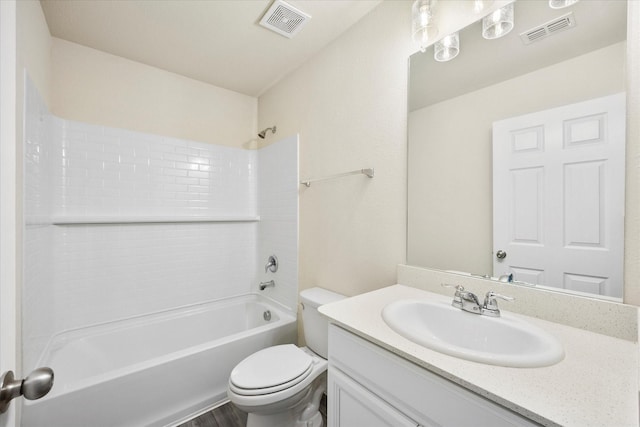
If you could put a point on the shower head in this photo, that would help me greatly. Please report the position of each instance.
(263, 133)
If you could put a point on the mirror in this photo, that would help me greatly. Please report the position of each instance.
(453, 106)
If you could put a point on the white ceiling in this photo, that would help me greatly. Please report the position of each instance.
(214, 41)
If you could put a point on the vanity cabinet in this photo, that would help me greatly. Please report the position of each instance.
(368, 385)
(354, 405)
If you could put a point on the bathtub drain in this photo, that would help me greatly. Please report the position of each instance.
(267, 315)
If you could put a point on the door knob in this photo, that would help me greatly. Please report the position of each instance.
(501, 254)
(34, 386)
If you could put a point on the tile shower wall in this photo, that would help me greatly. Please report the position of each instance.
(85, 274)
(278, 226)
(106, 171)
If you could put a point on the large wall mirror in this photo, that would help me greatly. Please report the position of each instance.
(553, 102)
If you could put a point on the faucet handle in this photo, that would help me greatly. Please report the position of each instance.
(494, 295)
(490, 306)
(457, 297)
(272, 264)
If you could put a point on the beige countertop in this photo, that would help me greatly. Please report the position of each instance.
(595, 385)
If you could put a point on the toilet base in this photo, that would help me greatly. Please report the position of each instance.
(303, 414)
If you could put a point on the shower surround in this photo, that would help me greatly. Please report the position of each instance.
(121, 224)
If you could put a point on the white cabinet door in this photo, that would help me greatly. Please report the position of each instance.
(558, 196)
(351, 405)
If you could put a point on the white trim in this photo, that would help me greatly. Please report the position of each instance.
(632, 206)
(8, 207)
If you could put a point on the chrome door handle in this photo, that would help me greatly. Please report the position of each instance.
(501, 254)
(37, 384)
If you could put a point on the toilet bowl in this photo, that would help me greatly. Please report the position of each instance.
(281, 386)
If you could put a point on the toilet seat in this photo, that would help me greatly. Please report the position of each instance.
(271, 370)
(269, 390)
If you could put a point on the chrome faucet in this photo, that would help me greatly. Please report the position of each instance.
(265, 285)
(490, 306)
(468, 301)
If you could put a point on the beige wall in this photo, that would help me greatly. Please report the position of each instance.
(450, 173)
(34, 48)
(99, 88)
(348, 104)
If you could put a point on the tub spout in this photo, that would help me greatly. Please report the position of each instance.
(265, 285)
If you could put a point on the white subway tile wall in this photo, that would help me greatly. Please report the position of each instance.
(77, 275)
(105, 171)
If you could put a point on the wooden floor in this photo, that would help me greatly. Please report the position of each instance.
(223, 416)
(229, 416)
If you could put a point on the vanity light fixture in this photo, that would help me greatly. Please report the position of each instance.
(423, 28)
(447, 48)
(498, 23)
(479, 6)
(559, 4)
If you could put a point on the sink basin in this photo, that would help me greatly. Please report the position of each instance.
(503, 341)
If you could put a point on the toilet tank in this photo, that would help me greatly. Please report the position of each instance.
(315, 325)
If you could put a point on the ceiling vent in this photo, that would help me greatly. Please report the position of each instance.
(550, 28)
(284, 19)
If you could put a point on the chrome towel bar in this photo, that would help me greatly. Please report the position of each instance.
(368, 172)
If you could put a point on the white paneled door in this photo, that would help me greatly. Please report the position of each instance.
(558, 196)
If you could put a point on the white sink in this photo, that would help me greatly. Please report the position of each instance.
(503, 341)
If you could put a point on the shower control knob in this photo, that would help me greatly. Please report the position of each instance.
(272, 264)
(37, 384)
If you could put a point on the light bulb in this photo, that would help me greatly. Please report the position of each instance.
(447, 48)
(498, 23)
(559, 4)
(423, 29)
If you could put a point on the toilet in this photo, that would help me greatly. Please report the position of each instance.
(281, 386)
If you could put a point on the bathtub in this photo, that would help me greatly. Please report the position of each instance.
(155, 370)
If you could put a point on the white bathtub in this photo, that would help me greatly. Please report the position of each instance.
(154, 370)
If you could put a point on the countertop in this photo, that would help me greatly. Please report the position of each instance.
(595, 385)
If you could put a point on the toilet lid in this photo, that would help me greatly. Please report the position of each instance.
(272, 367)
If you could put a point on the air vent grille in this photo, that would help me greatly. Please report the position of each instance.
(554, 26)
(284, 19)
